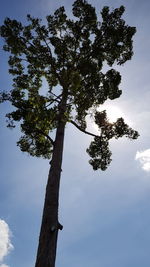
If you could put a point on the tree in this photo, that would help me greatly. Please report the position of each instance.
(69, 54)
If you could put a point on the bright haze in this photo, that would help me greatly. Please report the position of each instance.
(105, 215)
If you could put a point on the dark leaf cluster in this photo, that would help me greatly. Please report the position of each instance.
(99, 148)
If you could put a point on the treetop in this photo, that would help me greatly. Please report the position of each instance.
(69, 54)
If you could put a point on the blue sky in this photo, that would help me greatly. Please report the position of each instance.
(105, 214)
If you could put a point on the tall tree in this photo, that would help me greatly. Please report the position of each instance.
(69, 54)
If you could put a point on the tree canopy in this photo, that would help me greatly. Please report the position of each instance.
(69, 53)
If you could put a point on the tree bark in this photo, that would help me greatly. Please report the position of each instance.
(46, 253)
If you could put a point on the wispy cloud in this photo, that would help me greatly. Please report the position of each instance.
(5, 242)
(144, 159)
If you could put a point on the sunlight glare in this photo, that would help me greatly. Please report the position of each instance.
(113, 112)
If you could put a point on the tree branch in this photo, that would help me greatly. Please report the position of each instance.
(86, 132)
(57, 97)
(51, 62)
(46, 135)
(40, 131)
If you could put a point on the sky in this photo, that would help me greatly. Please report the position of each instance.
(105, 215)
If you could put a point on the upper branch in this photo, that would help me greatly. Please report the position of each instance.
(52, 65)
(82, 130)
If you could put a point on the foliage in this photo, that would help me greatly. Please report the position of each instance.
(70, 55)
(99, 148)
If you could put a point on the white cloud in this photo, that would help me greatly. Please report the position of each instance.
(5, 242)
(144, 159)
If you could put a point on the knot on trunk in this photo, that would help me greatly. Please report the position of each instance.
(58, 226)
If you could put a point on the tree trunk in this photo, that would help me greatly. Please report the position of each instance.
(46, 253)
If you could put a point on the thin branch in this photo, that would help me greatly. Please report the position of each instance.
(48, 137)
(57, 96)
(50, 103)
(52, 65)
(86, 132)
(27, 41)
(54, 99)
(40, 131)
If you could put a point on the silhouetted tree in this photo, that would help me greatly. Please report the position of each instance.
(70, 55)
